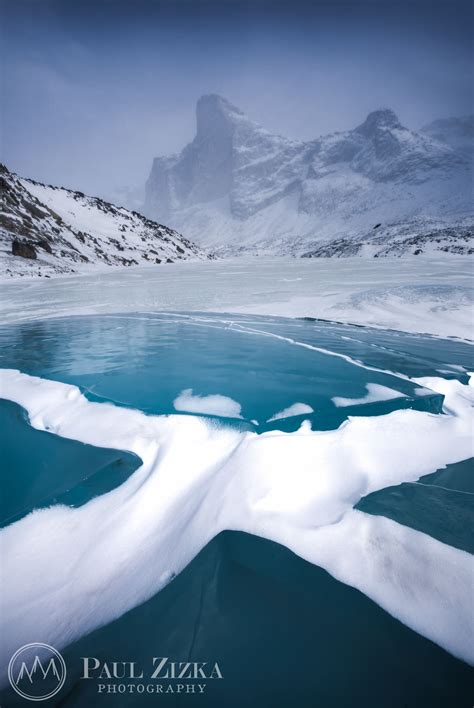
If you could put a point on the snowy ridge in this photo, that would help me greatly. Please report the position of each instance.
(46, 230)
(416, 238)
(242, 189)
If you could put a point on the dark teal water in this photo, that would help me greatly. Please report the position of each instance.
(439, 504)
(145, 361)
(283, 631)
(40, 469)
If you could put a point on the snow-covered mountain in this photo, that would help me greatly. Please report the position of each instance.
(45, 230)
(240, 188)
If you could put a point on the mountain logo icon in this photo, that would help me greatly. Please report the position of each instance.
(37, 671)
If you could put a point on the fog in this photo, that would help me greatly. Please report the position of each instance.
(93, 90)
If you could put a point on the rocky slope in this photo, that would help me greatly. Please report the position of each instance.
(242, 189)
(408, 238)
(46, 230)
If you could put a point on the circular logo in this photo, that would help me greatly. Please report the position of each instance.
(37, 671)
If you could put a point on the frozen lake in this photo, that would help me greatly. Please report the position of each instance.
(140, 440)
(425, 294)
(203, 480)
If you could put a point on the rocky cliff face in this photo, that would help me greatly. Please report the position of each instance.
(46, 230)
(239, 187)
(231, 157)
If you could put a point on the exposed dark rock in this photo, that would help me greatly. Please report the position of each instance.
(399, 240)
(23, 249)
(38, 213)
(45, 245)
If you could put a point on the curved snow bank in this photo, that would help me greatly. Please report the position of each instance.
(68, 571)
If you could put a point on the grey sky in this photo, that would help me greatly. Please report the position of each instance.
(93, 90)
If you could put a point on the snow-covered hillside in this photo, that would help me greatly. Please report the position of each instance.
(46, 230)
(242, 189)
(417, 237)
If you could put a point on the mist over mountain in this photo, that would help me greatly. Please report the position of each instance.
(458, 133)
(239, 187)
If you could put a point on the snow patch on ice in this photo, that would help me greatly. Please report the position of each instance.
(421, 391)
(215, 404)
(295, 409)
(375, 392)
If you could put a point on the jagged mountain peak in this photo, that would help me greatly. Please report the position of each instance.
(216, 117)
(236, 179)
(216, 102)
(212, 103)
(384, 119)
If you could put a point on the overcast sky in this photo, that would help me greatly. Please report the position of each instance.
(92, 90)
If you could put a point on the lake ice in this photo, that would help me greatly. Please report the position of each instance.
(289, 430)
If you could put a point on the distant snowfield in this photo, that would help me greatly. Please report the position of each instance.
(429, 294)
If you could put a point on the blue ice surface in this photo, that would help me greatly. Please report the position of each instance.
(39, 469)
(145, 361)
(284, 631)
